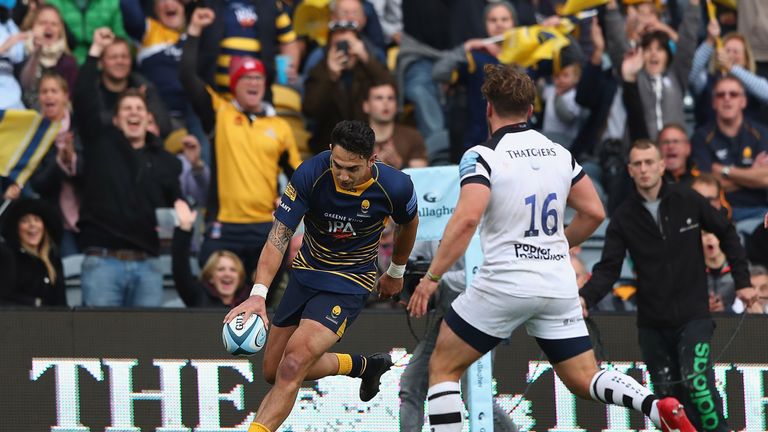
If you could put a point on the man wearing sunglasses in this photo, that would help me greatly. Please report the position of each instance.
(735, 150)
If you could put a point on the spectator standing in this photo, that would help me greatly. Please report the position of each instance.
(46, 49)
(430, 28)
(222, 278)
(251, 148)
(127, 177)
(116, 76)
(662, 78)
(83, 17)
(397, 145)
(660, 225)
(158, 57)
(58, 177)
(735, 58)
(32, 271)
(246, 28)
(337, 86)
(469, 58)
(735, 149)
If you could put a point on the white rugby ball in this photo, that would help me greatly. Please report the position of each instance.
(244, 338)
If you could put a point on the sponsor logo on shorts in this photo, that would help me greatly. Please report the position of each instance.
(571, 321)
(527, 251)
(334, 316)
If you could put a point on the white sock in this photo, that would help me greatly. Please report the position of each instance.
(445, 407)
(611, 387)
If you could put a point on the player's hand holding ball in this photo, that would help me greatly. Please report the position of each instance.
(244, 338)
(250, 313)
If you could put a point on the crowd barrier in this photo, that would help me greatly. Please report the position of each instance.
(166, 370)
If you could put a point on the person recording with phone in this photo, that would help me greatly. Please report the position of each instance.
(338, 85)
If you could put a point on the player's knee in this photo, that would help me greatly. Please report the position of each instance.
(579, 387)
(269, 372)
(441, 369)
(291, 369)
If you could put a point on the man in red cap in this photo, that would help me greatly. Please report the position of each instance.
(251, 146)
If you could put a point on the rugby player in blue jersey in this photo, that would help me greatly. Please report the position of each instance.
(345, 197)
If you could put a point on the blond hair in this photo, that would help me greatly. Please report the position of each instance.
(748, 55)
(43, 252)
(206, 274)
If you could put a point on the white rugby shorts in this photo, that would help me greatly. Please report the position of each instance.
(500, 314)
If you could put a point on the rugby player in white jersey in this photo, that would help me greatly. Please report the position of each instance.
(518, 184)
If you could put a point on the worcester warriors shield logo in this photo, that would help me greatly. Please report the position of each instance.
(364, 206)
(336, 311)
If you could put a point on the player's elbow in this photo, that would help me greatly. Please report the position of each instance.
(469, 221)
(597, 214)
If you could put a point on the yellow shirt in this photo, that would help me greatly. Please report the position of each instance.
(248, 162)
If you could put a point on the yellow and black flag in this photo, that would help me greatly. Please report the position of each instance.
(527, 46)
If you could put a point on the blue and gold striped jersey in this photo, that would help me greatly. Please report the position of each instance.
(342, 227)
(241, 37)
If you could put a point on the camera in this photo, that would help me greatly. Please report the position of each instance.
(343, 46)
(414, 271)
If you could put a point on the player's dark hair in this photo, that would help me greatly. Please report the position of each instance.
(355, 137)
(509, 90)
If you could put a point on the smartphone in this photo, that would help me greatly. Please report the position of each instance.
(343, 46)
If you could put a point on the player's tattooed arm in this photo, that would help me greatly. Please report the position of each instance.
(280, 236)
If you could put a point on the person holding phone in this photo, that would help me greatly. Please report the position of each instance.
(337, 86)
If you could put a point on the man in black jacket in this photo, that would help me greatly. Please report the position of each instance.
(127, 176)
(660, 225)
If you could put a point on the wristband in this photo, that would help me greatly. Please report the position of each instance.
(396, 271)
(433, 277)
(259, 290)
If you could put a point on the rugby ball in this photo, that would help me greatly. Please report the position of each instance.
(244, 338)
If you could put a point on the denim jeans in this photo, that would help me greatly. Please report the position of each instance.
(422, 91)
(108, 281)
(414, 382)
(674, 354)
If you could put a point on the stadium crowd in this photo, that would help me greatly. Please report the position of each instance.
(207, 107)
